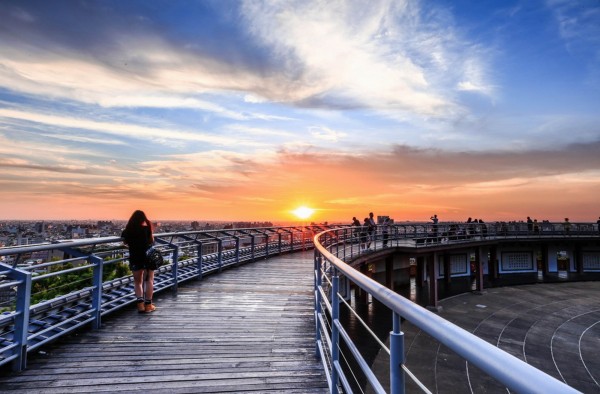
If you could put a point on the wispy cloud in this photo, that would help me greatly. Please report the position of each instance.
(87, 140)
(325, 133)
(236, 108)
(120, 129)
(386, 55)
(578, 25)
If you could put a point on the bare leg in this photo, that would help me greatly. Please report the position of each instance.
(149, 284)
(138, 287)
(138, 277)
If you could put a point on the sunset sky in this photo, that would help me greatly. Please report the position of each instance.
(246, 110)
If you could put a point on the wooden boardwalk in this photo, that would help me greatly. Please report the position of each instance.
(249, 329)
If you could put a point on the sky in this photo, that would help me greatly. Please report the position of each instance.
(247, 110)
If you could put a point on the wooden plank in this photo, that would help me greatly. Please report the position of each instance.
(248, 329)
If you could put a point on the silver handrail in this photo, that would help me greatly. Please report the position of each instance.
(515, 374)
(26, 326)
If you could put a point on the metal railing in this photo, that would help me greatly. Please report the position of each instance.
(78, 282)
(424, 235)
(334, 278)
(80, 292)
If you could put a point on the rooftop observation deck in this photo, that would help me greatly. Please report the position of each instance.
(251, 327)
(244, 330)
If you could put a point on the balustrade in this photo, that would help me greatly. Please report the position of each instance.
(27, 323)
(80, 295)
(334, 247)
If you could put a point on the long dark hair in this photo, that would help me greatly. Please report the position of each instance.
(136, 220)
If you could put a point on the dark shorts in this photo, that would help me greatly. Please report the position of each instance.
(137, 265)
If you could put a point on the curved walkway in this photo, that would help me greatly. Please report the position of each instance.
(554, 327)
(247, 329)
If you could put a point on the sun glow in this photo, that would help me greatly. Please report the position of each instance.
(303, 212)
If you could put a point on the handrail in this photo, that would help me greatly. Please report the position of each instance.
(490, 359)
(28, 326)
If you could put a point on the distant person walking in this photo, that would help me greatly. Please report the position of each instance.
(356, 231)
(529, 224)
(385, 231)
(567, 226)
(371, 230)
(434, 221)
(484, 230)
(598, 224)
(138, 237)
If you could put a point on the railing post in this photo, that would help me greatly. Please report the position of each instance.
(266, 245)
(304, 238)
(22, 319)
(396, 357)
(344, 247)
(375, 237)
(337, 242)
(279, 240)
(175, 266)
(335, 332)
(98, 266)
(220, 254)
(317, 286)
(199, 253)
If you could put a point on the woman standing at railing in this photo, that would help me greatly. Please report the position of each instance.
(138, 237)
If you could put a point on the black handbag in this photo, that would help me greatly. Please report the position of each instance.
(154, 258)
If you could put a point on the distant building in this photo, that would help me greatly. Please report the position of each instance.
(39, 227)
(78, 232)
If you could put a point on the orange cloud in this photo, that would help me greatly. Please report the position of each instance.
(406, 184)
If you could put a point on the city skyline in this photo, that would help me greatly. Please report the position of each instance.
(249, 110)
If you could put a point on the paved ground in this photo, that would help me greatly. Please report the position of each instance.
(554, 327)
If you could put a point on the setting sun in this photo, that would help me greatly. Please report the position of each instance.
(303, 212)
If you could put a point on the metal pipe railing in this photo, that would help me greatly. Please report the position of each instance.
(515, 374)
(188, 260)
(27, 326)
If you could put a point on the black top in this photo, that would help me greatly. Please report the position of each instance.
(138, 239)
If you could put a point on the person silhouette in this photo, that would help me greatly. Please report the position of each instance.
(138, 238)
(434, 220)
(385, 231)
(356, 231)
(567, 226)
(371, 230)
